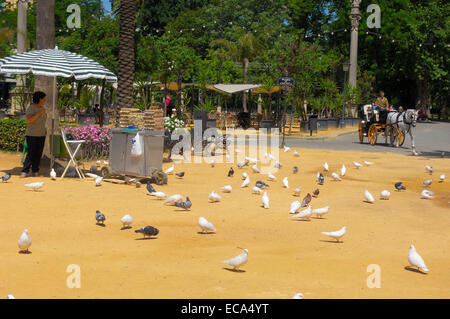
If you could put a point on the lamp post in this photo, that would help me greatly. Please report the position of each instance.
(345, 67)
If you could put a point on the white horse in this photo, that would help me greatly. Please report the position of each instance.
(405, 121)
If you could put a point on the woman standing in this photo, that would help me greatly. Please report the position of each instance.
(35, 134)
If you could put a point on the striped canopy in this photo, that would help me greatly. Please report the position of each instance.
(54, 63)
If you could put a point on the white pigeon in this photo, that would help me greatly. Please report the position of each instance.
(441, 178)
(343, 170)
(368, 163)
(268, 155)
(321, 211)
(296, 154)
(126, 220)
(325, 166)
(24, 241)
(297, 191)
(336, 176)
(286, 148)
(214, 197)
(338, 234)
(426, 194)
(244, 175)
(368, 196)
(385, 194)
(285, 182)
(304, 214)
(238, 261)
(10, 297)
(35, 186)
(246, 182)
(213, 162)
(98, 181)
(99, 162)
(256, 190)
(295, 206)
(251, 160)
(170, 170)
(106, 162)
(255, 168)
(429, 169)
(271, 177)
(416, 260)
(94, 176)
(171, 200)
(298, 295)
(427, 183)
(357, 165)
(159, 195)
(205, 225)
(53, 174)
(227, 189)
(278, 164)
(265, 200)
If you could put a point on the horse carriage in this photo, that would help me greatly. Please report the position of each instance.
(372, 124)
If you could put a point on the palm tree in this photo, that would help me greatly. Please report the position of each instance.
(125, 73)
(45, 39)
(241, 51)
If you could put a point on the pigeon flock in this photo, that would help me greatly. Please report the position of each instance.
(300, 210)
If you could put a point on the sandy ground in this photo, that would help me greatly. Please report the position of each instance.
(285, 256)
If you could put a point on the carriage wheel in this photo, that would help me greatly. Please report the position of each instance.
(401, 138)
(106, 171)
(160, 177)
(360, 132)
(372, 134)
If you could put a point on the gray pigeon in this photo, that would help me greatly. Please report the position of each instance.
(6, 177)
(320, 178)
(150, 188)
(261, 184)
(148, 231)
(180, 175)
(306, 200)
(186, 205)
(399, 186)
(99, 217)
(316, 192)
(295, 169)
(242, 164)
(231, 172)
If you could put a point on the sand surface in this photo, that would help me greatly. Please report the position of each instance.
(285, 256)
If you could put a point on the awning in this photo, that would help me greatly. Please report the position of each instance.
(234, 88)
(261, 90)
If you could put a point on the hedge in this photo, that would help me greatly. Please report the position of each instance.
(12, 134)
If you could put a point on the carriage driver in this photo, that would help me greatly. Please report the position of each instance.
(381, 105)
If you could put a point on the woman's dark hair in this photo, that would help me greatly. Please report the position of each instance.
(37, 96)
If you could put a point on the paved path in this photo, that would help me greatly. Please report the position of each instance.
(431, 139)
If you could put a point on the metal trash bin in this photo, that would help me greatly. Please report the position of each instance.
(148, 165)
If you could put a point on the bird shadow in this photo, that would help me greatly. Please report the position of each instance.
(366, 201)
(332, 241)
(146, 238)
(206, 233)
(126, 227)
(182, 210)
(409, 268)
(24, 252)
(319, 217)
(301, 220)
(234, 270)
(100, 224)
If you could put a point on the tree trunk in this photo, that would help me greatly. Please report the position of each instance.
(125, 74)
(45, 39)
(244, 74)
(102, 103)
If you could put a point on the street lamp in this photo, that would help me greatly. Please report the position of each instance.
(345, 67)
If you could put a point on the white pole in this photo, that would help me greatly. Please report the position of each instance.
(53, 122)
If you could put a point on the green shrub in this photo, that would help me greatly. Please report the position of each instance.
(12, 134)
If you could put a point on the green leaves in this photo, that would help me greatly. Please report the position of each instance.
(12, 134)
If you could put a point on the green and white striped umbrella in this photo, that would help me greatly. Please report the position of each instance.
(54, 63)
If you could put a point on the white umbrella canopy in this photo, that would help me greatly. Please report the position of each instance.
(53, 63)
